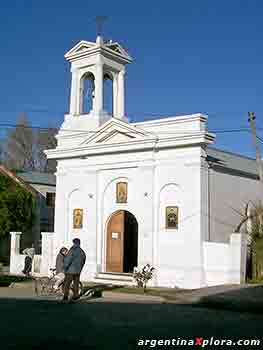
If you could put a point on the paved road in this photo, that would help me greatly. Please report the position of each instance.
(28, 323)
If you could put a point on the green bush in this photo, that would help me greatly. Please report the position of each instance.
(5, 280)
(4, 261)
(143, 276)
(17, 207)
(97, 293)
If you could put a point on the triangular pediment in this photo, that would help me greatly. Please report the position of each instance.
(116, 47)
(82, 46)
(116, 131)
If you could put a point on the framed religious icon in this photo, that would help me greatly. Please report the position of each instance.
(171, 215)
(121, 192)
(77, 218)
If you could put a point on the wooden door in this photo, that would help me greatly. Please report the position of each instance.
(115, 243)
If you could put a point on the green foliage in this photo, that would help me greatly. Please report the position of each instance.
(97, 293)
(255, 280)
(5, 281)
(256, 227)
(17, 207)
(257, 258)
(256, 234)
(253, 215)
(143, 276)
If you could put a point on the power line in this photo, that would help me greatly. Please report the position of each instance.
(131, 114)
(238, 130)
(259, 138)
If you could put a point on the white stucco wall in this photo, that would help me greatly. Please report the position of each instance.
(17, 260)
(179, 252)
(226, 262)
(216, 261)
(173, 177)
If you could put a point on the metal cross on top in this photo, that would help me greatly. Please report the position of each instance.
(99, 22)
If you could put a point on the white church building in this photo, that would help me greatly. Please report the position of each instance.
(147, 192)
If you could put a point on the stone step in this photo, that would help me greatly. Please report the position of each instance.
(113, 282)
(114, 278)
(116, 275)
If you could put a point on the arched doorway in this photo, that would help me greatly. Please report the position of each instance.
(122, 242)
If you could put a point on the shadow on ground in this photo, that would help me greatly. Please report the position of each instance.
(99, 287)
(47, 324)
(248, 299)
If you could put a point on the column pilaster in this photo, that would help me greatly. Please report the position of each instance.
(121, 94)
(98, 103)
(115, 95)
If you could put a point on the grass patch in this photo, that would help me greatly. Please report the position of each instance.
(167, 293)
(255, 281)
(5, 280)
(131, 290)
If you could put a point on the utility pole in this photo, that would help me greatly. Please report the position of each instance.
(251, 119)
(252, 249)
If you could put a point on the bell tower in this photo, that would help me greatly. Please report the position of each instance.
(93, 63)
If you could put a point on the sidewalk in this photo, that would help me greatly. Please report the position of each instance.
(244, 298)
(15, 292)
(193, 296)
(172, 297)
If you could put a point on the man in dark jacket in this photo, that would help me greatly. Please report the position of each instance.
(73, 265)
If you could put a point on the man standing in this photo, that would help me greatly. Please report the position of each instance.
(29, 252)
(73, 265)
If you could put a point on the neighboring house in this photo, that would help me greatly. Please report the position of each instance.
(43, 187)
(232, 182)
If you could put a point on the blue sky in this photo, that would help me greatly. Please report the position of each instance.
(189, 56)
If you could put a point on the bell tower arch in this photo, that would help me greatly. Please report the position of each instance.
(95, 62)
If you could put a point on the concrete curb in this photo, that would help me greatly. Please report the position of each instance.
(21, 285)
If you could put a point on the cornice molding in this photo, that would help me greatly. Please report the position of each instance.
(130, 146)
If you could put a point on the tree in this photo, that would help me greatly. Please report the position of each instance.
(17, 207)
(253, 215)
(24, 147)
(46, 140)
(18, 149)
